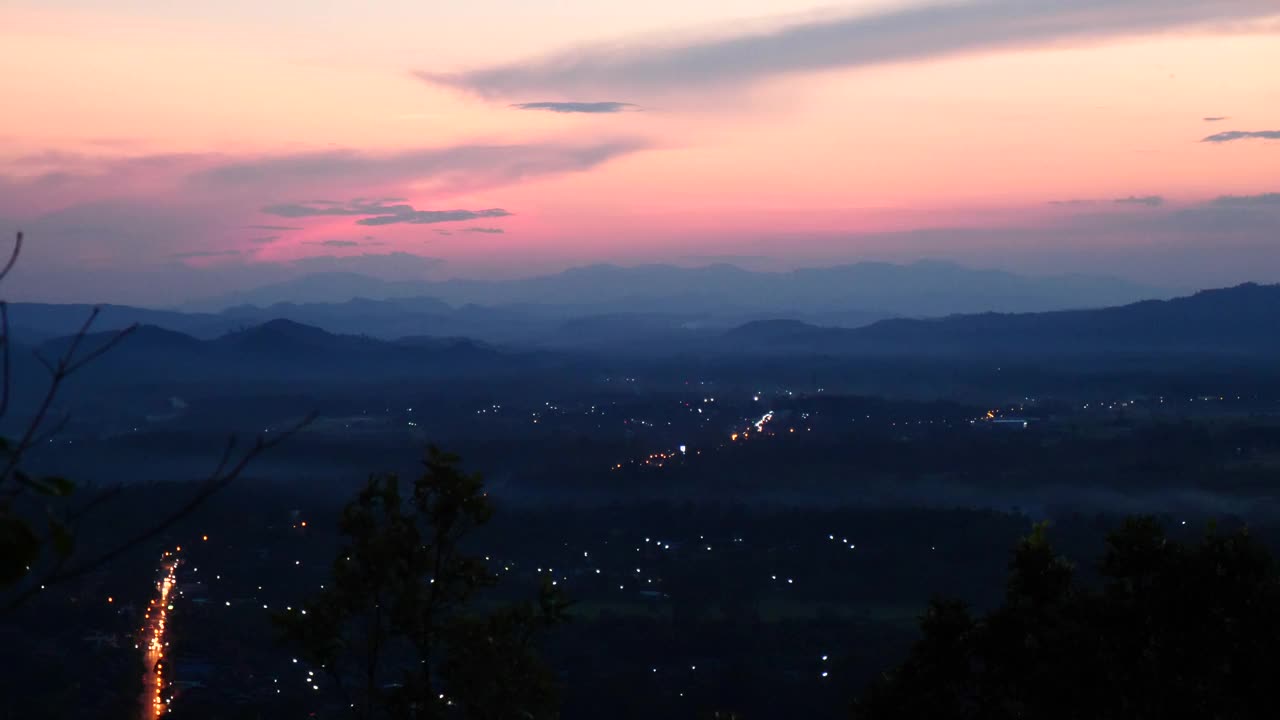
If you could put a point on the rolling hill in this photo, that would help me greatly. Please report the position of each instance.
(1232, 321)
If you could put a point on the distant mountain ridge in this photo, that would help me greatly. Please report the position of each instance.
(870, 290)
(283, 350)
(1239, 322)
(1243, 319)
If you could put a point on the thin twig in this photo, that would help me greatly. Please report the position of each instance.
(214, 483)
(45, 362)
(102, 349)
(13, 257)
(4, 349)
(99, 499)
(66, 366)
(49, 434)
(79, 336)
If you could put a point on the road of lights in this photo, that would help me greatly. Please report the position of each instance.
(155, 620)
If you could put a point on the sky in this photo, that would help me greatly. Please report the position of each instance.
(154, 151)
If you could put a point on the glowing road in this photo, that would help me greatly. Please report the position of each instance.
(154, 704)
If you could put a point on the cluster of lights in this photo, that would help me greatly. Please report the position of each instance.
(160, 606)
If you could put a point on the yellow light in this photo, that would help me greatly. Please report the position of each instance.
(204, 538)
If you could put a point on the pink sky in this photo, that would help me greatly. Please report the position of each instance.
(146, 135)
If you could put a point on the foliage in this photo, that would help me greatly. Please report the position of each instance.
(1175, 630)
(398, 629)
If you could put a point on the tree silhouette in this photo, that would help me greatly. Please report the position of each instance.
(398, 628)
(1175, 631)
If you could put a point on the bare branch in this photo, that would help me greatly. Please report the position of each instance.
(49, 434)
(214, 483)
(45, 362)
(4, 350)
(67, 365)
(13, 257)
(101, 350)
(98, 500)
(79, 336)
(34, 434)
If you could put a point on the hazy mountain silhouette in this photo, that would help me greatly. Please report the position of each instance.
(282, 350)
(864, 291)
(327, 287)
(35, 322)
(1240, 320)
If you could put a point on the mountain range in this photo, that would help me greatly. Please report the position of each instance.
(283, 350)
(1243, 321)
(862, 291)
(655, 308)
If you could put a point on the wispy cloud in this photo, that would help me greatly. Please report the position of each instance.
(1262, 200)
(1147, 200)
(1232, 135)
(485, 230)
(430, 217)
(265, 240)
(377, 212)
(329, 208)
(1216, 118)
(912, 33)
(1072, 203)
(578, 107)
(274, 228)
(196, 254)
(334, 243)
(468, 166)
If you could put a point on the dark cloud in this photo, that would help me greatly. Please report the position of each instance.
(1216, 118)
(430, 217)
(274, 228)
(203, 254)
(265, 240)
(334, 243)
(376, 212)
(894, 35)
(485, 230)
(1264, 200)
(578, 107)
(323, 208)
(1231, 135)
(1147, 200)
